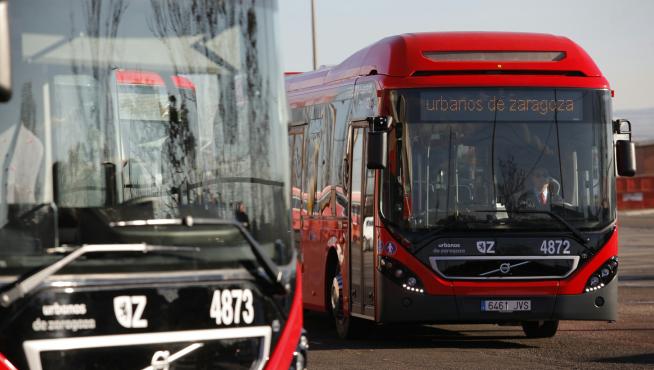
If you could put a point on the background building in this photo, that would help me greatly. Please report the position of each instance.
(638, 192)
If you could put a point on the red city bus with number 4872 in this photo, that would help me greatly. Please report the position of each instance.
(458, 177)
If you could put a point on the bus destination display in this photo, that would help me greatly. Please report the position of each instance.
(496, 104)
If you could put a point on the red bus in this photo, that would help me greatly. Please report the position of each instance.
(459, 177)
(144, 181)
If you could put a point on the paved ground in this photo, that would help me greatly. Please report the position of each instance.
(629, 343)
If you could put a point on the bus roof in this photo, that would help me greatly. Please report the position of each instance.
(459, 53)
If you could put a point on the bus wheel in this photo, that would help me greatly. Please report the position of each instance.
(540, 329)
(346, 326)
(336, 302)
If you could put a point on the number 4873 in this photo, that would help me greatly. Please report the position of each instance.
(230, 306)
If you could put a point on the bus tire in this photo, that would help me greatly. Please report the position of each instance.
(540, 329)
(347, 327)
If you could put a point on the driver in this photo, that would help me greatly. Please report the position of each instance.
(542, 192)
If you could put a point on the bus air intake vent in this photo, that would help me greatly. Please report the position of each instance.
(504, 267)
(495, 56)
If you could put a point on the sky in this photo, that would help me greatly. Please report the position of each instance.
(618, 34)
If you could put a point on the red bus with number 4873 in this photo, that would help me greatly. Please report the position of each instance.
(144, 209)
(459, 177)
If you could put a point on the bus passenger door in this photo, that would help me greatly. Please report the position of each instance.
(368, 228)
(357, 294)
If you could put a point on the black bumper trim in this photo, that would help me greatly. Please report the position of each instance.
(397, 305)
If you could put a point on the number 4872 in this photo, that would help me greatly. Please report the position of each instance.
(559, 246)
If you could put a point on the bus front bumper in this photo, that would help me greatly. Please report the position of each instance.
(397, 305)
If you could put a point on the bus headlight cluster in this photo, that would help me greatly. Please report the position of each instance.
(400, 274)
(603, 275)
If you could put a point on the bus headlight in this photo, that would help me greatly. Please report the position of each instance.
(594, 281)
(400, 274)
(603, 275)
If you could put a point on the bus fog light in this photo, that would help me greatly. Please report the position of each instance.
(411, 281)
(605, 272)
(599, 301)
(399, 273)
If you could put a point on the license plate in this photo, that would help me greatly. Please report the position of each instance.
(506, 306)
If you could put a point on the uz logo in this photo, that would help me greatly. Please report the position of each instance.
(129, 309)
(486, 246)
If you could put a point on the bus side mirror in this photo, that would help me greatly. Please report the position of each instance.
(625, 152)
(622, 127)
(377, 148)
(5, 53)
(377, 142)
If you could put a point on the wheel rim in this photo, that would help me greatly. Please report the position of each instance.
(336, 296)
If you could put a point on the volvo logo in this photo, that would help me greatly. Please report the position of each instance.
(505, 268)
(161, 360)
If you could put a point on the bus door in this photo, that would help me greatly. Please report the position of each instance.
(361, 231)
(368, 229)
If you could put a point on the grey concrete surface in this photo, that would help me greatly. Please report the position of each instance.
(627, 343)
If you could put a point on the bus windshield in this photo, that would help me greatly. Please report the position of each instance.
(475, 158)
(140, 110)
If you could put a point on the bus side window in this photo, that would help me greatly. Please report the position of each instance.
(76, 109)
(311, 165)
(324, 188)
(296, 146)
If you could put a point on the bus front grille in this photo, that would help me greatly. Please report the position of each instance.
(504, 267)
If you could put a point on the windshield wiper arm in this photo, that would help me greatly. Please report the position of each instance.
(25, 285)
(268, 266)
(584, 240)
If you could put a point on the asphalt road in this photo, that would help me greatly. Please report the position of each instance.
(628, 343)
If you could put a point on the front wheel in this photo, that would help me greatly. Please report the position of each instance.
(540, 329)
(347, 327)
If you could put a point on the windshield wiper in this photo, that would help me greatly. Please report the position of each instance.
(271, 270)
(26, 284)
(581, 238)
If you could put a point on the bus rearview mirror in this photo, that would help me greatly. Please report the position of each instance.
(377, 148)
(5, 53)
(622, 127)
(625, 152)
